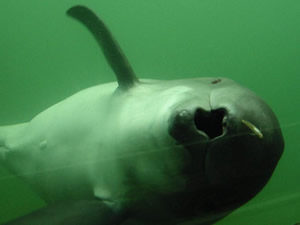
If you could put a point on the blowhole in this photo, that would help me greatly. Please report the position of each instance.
(212, 123)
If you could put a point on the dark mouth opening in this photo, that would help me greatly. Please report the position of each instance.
(212, 123)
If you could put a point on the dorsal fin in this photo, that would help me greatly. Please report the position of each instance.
(113, 53)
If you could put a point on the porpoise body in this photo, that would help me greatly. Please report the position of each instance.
(159, 151)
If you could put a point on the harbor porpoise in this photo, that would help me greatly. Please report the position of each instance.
(155, 151)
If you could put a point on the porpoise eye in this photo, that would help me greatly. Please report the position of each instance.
(216, 81)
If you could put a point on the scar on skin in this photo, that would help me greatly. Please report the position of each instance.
(216, 81)
(253, 128)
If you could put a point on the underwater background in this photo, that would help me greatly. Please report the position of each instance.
(46, 56)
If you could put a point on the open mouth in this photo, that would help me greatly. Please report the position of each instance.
(211, 123)
(198, 125)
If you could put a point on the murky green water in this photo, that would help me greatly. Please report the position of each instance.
(45, 56)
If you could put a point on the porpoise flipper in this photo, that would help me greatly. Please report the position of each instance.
(114, 55)
(83, 212)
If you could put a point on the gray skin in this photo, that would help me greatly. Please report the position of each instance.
(144, 151)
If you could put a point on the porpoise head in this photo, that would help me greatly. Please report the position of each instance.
(234, 141)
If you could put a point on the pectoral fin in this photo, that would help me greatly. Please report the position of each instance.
(83, 212)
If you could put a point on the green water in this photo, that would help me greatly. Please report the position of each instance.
(45, 56)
